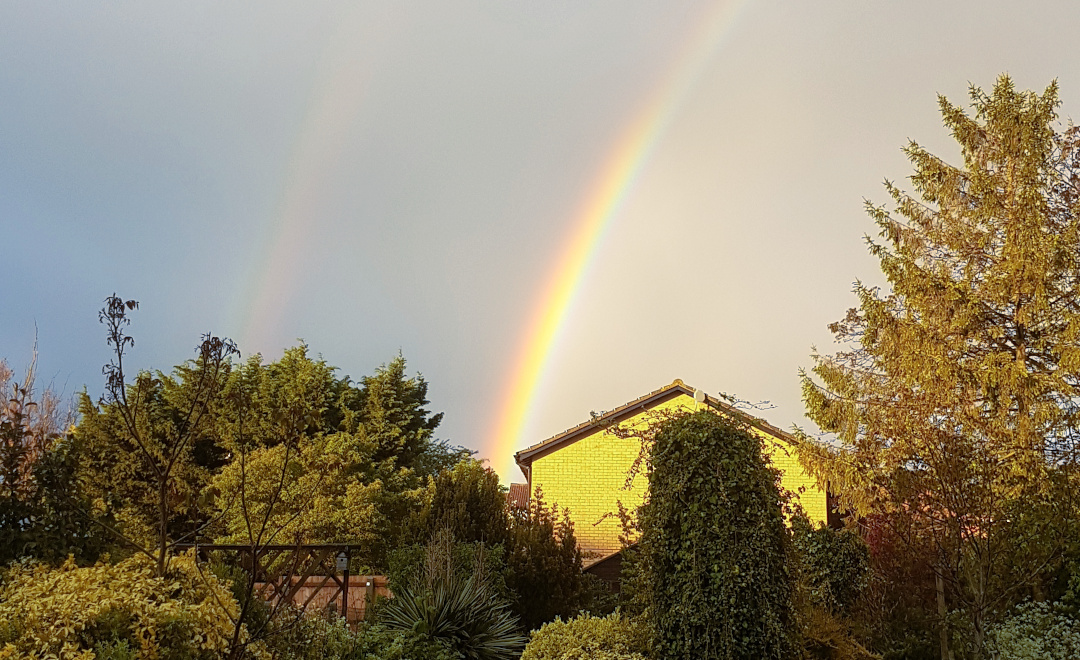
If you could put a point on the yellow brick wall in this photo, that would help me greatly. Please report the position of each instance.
(588, 477)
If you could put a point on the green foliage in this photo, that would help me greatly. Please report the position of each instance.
(407, 565)
(716, 545)
(954, 395)
(38, 464)
(318, 638)
(827, 637)
(834, 565)
(459, 610)
(1036, 631)
(545, 565)
(588, 637)
(395, 419)
(116, 650)
(542, 575)
(69, 611)
(896, 614)
(469, 501)
(148, 442)
(833, 569)
(309, 456)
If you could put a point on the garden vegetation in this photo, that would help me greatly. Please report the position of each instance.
(950, 419)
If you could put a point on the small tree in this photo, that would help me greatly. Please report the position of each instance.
(545, 564)
(715, 544)
(38, 462)
(144, 434)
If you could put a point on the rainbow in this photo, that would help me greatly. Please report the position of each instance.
(605, 199)
(338, 94)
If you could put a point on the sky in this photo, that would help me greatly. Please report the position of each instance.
(549, 208)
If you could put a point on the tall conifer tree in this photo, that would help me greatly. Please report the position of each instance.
(956, 394)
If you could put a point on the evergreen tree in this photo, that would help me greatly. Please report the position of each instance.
(956, 395)
(544, 564)
(394, 417)
(469, 501)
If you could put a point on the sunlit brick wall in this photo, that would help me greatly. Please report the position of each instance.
(588, 477)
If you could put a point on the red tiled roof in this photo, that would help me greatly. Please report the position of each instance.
(518, 496)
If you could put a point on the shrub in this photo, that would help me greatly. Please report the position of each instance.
(834, 565)
(827, 637)
(586, 637)
(715, 544)
(121, 610)
(545, 564)
(406, 565)
(1037, 631)
(320, 638)
(461, 611)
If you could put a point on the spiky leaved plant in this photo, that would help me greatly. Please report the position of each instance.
(459, 610)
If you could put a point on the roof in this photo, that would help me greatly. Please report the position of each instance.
(518, 496)
(525, 457)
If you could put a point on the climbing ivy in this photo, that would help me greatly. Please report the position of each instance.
(715, 545)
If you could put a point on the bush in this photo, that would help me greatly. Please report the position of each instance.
(542, 576)
(826, 637)
(1037, 631)
(834, 565)
(545, 564)
(715, 545)
(406, 565)
(586, 637)
(121, 610)
(319, 638)
(457, 609)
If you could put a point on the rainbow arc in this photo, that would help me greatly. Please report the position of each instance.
(603, 203)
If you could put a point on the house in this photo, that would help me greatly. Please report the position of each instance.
(584, 469)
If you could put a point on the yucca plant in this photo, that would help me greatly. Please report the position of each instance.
(460, 611)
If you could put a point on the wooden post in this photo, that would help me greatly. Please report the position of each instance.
(345, 589)
(369, 594)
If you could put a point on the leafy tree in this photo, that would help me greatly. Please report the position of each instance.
(955, 398)
(38, 463)
(715, 544)
(143, 438)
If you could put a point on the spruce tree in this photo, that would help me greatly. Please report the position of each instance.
(955, 394)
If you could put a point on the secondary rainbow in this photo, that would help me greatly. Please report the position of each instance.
(602, 204)
(339, 91)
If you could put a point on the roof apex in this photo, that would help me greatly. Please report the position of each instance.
(525, 457)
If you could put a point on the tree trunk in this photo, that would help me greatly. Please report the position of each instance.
(163, 519)
(943, 633)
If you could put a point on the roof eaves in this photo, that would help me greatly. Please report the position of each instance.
(524, 457)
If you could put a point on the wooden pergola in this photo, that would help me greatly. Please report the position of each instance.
(283, 570)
